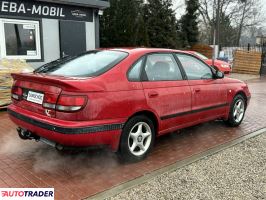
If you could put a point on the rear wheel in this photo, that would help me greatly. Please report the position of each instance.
(237, 111)
(137, 139)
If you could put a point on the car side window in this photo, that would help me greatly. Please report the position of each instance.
(135, 71)
(194, 68)
(162, 67)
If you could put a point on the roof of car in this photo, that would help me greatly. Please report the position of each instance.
(189, 51)
(142, 50)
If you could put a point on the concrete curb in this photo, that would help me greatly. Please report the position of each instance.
(130, 184)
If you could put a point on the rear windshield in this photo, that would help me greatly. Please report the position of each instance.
(93, 63)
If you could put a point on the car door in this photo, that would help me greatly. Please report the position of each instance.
(166, 91)
(209, 96)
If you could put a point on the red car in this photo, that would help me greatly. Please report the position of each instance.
(218, 64)
(122, 98)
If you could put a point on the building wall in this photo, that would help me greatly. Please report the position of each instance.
(90, 36)
(51, 40)
(50, 44)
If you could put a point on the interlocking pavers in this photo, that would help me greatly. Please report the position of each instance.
(77, 175)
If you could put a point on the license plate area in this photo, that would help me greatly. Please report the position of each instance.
(33, 96)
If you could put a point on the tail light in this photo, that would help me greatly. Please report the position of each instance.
(71, 103)
(50, 101)
(65, 103)
(16, 93)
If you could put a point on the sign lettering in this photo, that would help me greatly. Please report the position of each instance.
(45, 10)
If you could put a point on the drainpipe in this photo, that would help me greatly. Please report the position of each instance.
(97, 29)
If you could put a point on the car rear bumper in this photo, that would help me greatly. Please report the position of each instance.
(74, 134)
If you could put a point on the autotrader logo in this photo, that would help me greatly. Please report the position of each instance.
(26, 193)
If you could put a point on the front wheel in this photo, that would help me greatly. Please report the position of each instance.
(137, 139)
(237, 111)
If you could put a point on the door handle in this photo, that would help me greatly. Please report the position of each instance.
(197, 90)
(153, 94)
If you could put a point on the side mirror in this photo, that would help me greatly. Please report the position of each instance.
(219, 75)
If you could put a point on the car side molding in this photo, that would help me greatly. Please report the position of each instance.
(193, 111)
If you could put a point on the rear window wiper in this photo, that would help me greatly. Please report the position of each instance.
(50, 65)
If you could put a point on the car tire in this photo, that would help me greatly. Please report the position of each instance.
(237, 111)
(137, 139)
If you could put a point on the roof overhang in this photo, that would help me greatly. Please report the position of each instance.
(100, 4)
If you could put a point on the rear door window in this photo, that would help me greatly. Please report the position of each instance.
(93, 63)
(162, 67)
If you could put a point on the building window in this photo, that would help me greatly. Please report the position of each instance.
(20, 39)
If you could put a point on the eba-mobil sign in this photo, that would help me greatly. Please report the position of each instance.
(45, 10)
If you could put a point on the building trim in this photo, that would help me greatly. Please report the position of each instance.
(101, 4)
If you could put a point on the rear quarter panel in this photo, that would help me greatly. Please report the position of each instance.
(119, 98)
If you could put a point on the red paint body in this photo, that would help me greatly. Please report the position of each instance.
(219, 64)
(112, 99)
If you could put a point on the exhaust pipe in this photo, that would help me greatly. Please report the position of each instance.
(48, 142)
(57, 146)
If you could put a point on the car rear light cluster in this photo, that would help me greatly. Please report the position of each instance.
(50, 101)
(16, 93)
(65, 103)
(70, 103)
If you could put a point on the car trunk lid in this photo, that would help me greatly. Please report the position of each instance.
(40, 93)
(31, 91)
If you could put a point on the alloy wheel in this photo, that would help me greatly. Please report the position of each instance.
(139, 139)
(239, 110)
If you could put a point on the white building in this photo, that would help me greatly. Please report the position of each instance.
(41, 31)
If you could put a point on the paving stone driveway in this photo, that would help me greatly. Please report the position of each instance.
(77, 175)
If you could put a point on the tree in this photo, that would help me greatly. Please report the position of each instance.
(119, 23)
(240, 14)
(133, 23)
(161, 24)
(189, 23)
(248, 16)
(141, 35)
(227, 32)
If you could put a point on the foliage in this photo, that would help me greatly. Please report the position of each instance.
(152, 23)
(161, 24)
(235, 15)
(135, 23)
(118, 24)
(189, 23)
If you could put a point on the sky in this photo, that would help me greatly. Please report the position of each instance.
(180, 5)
